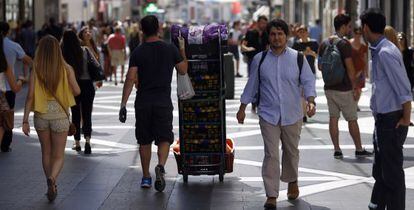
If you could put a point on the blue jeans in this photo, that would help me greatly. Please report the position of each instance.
(389, 187)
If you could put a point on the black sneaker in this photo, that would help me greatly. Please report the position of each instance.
(239, 75)
(159, 180)
(363, 154)
(88, 149)
(77, 148)
(338, 154)
(6, 149)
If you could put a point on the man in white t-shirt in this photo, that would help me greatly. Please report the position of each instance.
(234, 41)
(13, 52)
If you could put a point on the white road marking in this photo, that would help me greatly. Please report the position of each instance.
(108, 92)
(301, 169)
(318, 188)
(303, 179)
(244, 134)
(103, 150)
(110, 107)
(93, 141)
(342, 180)
(112, 102)
(317, 147)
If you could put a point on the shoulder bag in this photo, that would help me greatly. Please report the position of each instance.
(94, 67)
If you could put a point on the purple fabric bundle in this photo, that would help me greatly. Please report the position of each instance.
(199, 34)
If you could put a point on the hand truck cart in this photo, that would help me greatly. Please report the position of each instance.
(202, 119)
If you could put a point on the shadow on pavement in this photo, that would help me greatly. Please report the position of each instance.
(357, 160)
(95, 133)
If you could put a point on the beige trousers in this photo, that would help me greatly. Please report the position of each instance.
(289, 135)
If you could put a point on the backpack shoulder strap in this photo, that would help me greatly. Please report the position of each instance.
(264, 53)
(299, 60)
(336, 41)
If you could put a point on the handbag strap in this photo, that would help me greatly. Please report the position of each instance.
(60, 103)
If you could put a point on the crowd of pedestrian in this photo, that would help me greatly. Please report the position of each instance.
(281, 80)
(282, 62)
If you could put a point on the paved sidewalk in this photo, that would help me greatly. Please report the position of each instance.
(110, 177)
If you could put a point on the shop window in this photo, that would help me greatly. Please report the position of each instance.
(1, 10)
(17, 10)
(28, 10)
(12, 10)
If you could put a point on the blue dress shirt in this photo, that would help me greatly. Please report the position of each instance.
(280, 91)
(390, 87)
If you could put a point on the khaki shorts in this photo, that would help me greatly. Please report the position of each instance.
(54, 120)
(117, 58)
(342, 101)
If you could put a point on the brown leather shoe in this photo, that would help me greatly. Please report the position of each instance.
(293, 190)
(270, 203)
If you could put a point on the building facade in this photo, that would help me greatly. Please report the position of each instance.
(16, 12)
(302, 11)
(399, 14)
(204, 11)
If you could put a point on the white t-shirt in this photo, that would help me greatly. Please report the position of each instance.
(235, 34)
(13, 52)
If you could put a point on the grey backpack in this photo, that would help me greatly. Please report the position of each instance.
(333, 69)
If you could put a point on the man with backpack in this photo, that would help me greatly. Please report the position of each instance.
(341, 91)
(277, 78)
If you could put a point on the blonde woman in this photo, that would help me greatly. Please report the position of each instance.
(391, 34)
(52, 88)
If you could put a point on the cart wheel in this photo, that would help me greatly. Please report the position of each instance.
(221, 177)
(185, 178)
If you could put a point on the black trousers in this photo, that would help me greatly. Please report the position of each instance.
(249, 63)
(8, 135)
(389, 187)
(82, 111)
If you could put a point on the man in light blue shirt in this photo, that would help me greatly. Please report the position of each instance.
(279, 83)
(391, 107)
(315, 32)
(13, 52)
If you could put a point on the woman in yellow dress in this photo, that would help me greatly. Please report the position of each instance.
(52, 88)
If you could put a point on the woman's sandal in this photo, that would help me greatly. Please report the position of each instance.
(51, 189)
